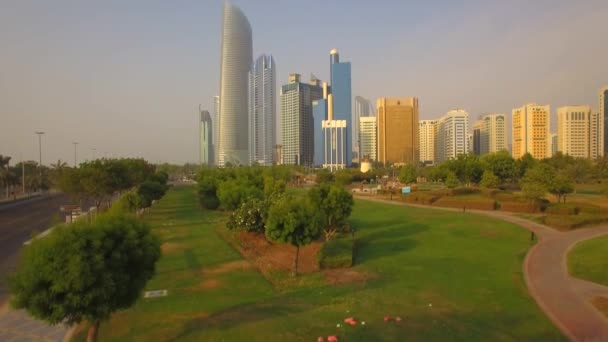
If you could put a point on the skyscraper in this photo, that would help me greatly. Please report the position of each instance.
(319, 114)
(262, 109)
(602, 119)
(452, 133)
(398, 130)
(531, 131)
(477, 136)
(340, 73)
(216, 127)
(234, 79)
(553, 138)
(574, 131)
(362, 109)
(427, 131)
(205, 138)
(297, 120)
(368, 137)
(493, 134)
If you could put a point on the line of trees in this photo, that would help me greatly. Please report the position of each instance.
(260, 203)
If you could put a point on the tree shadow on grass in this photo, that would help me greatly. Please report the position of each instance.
(386, 242)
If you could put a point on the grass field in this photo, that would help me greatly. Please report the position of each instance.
(449, 276)
(589, 260)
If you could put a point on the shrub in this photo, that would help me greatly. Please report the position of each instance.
(249, 217)
(337, 253)
(563, 209)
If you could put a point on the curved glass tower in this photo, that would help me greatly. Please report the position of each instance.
(236, 60)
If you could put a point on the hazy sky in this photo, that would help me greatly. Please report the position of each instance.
(126, 77)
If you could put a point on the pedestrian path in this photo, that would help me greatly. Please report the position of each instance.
(17, 325)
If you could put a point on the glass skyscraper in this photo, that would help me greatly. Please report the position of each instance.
(205, 138)
(262, 109)
(236, 60)
(340, 73)
(319, 113)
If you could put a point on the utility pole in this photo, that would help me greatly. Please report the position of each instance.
(94, 154)
(40, 133)
(75, 154)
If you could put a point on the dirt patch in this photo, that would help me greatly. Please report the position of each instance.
(346, 276)
(601, 303)
(210, 284)
(268, 256)
(227, 267)
(171, 247)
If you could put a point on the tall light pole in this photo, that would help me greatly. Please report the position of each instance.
(40, 133)
(75, 153)
(94, 154)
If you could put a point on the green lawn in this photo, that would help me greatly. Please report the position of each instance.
(589, 260)
(449, 276)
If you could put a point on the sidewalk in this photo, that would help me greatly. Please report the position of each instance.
(17, 325)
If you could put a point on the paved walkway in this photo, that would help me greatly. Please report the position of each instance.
(19, 326)
(563, 298)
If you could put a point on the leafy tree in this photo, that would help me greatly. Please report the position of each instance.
(248, 217)
(150, 191)
(580, 170)
(408, 174)
(324, 176)
(334, 204)
(535, 183)
(85, 272)
(560, 186)
(501, 164)
(273, 187)
(232, 193)
(489, 180)
(524, 163)
(293, 221)
(451, 181)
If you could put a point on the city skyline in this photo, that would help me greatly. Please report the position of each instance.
(159, 70)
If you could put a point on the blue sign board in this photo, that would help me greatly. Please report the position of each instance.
(406, 190)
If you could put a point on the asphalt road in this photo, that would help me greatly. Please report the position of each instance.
(17, 223)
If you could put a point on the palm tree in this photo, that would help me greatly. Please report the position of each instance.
(4, 171)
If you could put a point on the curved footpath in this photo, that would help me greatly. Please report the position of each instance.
(565, 299)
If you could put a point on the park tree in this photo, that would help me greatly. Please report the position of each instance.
(149, 191)
(501, 164)
(335, 205)
(249, 217)
(324, 176)
(489, 180)
(560, 185)
(408, 174)
(535, 183)
(232, 193)
(451, 181)
(85, 271)
(524, 163)
(293, 221)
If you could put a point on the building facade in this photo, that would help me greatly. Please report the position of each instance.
(452, 132)
(262, 110)
(398, 130)
(476, 141)
(319, 114)
(341, 89)
(427, 132)
(530, 134)
(334, 144)
(216, 127)
(574, 131)
(602, 119)
(368, 133)
(236, 58)
(362, 109)
(205, 138)
(553, 137)
(493, 133)
(297, 120)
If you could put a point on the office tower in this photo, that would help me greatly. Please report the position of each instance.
(297, 121)
(398, 130)
(216, 127)
(427, 131)
(278, 154)
(368, 137)
(493, 133)
(205, 138)
(554, 138)
(470, 143)
(452, 132)
(262, 109)
(531, 131)
(476, 143)
(602, 120)
(234, 80)
(335, 139)
(319, 114)
(362, 109)
(340, 74)
(574, 131)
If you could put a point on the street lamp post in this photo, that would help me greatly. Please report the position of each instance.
(94, 153)
(75, 154)
(40, 133)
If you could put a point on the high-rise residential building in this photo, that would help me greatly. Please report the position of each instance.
(368, 137)
(205, 138)
(574, 131)
(452, 132)
(553, 137)
(234, 80)
(531, 131)
(262, 109)
(398, 130)
(297, 120)
(216, 127)
(427, 131)
(340, 74)
(362, 108)
(602, 120)
(476, 143)
(493, 133)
